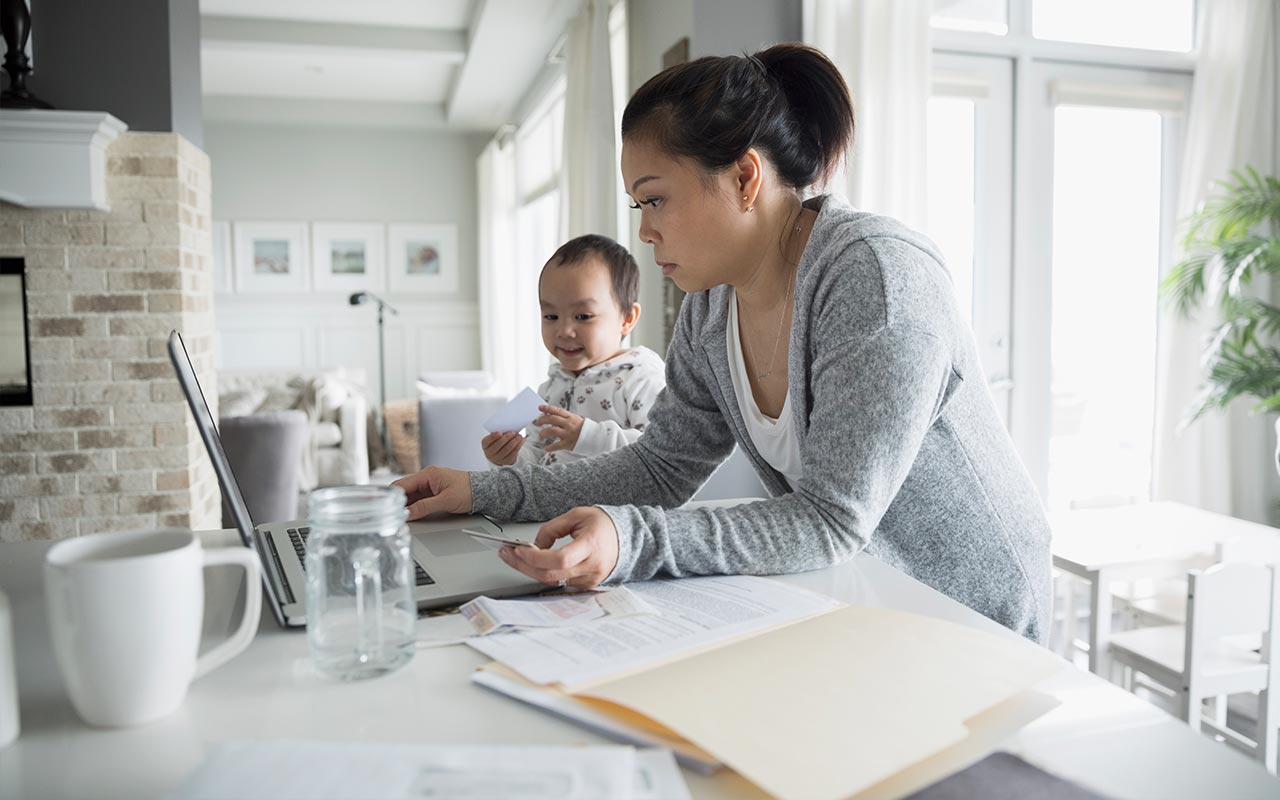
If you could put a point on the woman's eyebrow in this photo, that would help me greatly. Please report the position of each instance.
(639, 181)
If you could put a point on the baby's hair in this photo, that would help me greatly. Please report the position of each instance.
(624, 274)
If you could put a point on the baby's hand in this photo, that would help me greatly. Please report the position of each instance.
(501, 448)
(563, 426)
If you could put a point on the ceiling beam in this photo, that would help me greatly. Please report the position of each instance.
(327, 113)
(246, 33)
(508, 43)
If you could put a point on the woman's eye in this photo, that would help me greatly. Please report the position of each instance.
(652, 202)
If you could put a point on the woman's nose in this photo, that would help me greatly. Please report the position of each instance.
(647, 234)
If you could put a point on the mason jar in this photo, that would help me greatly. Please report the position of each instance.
(360, 607)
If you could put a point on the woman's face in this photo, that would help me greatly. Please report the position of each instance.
(695, 226)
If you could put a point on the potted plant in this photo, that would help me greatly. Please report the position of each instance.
(1231, 239)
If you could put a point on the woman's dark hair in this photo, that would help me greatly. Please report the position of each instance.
(788, 101)
(624, 273)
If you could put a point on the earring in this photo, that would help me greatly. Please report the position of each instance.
(750, 209)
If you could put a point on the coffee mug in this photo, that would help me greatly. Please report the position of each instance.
(125, 613)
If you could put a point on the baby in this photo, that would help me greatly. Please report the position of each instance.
(598, 394)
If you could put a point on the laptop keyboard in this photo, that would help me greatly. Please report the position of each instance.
(298, 537)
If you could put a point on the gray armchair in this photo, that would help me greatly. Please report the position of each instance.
(264, 450)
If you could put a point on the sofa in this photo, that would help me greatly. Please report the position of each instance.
(336, 407)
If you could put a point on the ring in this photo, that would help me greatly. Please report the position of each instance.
(561, 583)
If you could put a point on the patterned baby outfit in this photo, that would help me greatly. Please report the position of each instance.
(613, 398)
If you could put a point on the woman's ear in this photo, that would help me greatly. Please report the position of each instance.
(748, 183)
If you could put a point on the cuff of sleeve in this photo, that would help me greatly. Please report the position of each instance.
(489, 488)
(627, 549)
(590, 439)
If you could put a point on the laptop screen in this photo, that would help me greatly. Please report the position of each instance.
(209, 432)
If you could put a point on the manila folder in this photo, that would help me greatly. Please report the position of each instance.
(836, 704)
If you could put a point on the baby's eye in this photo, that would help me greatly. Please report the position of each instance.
(550, 317)
(584, 317)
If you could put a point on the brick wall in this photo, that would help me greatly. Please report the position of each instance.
(109, 443)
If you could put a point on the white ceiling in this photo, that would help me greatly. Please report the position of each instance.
(455, 64)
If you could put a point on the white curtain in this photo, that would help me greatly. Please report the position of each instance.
(882, 48)
(589, 179)
(1222, 462)
(510, 348)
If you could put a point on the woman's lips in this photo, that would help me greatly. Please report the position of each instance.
(667, 269)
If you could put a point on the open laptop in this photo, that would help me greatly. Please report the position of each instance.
(451, 567)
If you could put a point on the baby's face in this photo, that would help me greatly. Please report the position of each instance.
(581, 323)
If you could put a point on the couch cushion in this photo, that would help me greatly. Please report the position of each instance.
(280, 398)
(326, 434)
(240, 402)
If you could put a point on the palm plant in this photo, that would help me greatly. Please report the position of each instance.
(1230, 240)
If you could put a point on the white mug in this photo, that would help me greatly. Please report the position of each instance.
(125, 613)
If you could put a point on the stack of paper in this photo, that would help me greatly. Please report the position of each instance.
(295, 770)
(801, 696)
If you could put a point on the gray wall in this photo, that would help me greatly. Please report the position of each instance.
(136, 59)
(732, 27)
(348, 175)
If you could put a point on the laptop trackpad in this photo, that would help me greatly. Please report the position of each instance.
(453, 543)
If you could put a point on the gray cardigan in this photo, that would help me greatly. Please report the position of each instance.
(903, 453)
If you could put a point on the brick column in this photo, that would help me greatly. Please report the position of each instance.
(109, 443)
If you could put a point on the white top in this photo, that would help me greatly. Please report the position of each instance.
(613, 398)
(775, 439)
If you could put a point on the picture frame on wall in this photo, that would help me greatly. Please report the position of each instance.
(222, 267)
(270, 257)
(347, 256)
(422, 259)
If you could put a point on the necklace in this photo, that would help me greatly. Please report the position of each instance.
(782, 315)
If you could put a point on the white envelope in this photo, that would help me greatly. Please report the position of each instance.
(517, 414)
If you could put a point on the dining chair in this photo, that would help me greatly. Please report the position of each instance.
(1207, 658)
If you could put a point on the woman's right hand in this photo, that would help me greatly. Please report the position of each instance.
(436, 490)
(501, 448)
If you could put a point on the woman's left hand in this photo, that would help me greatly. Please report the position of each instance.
(583, 563)
(563, 426)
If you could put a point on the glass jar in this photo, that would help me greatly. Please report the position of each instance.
(360, 607)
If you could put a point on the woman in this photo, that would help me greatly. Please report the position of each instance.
(869, 422)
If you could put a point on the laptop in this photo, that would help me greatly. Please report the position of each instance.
(451, 567)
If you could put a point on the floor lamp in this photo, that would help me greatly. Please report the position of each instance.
(360, 298)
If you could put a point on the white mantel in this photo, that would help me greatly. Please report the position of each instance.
(55, 159)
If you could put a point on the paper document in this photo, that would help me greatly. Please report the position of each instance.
(518, 414)
(658, 777)
(693, 613)
(487, 615)
(297, 770)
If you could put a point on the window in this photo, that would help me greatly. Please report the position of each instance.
(1056, 236)
(1146, 24)
(979, 16)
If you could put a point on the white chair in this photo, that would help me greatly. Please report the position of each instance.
(1204, 658)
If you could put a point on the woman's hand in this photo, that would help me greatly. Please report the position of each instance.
(556, 423)
(436, 489)
(501, 448)
(583, 563)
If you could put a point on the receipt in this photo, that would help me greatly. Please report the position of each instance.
(487, 615)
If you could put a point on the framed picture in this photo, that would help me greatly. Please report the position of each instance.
(222, 258)
(270, 257)
(347, 256)
(422, 258)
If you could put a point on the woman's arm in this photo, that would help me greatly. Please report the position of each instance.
(874, 398)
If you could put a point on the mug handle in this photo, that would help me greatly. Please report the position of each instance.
(239, 640)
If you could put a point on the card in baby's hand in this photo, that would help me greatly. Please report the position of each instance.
(517, 414)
